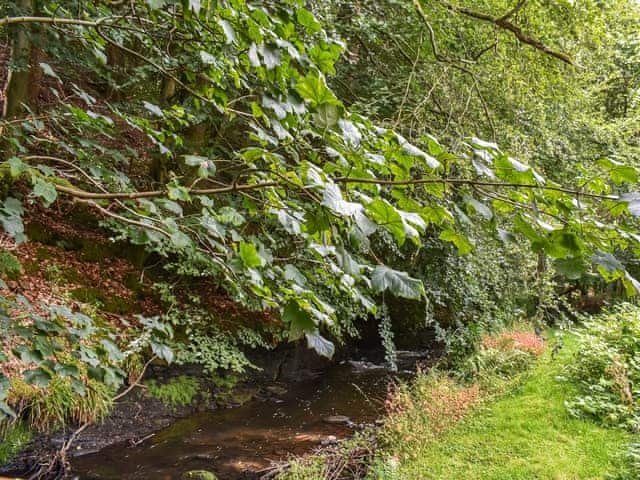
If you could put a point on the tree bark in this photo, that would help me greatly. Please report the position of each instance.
(19, 77)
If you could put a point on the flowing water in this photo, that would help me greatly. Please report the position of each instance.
(236, 443)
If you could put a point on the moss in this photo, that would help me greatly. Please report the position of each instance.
(10, 266)
(37, 232)
(177, 392)
(198, 475)
(13, 439)
(133, 283)
(96, 296)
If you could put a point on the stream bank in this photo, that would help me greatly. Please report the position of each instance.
(294, 403)
(240, 443)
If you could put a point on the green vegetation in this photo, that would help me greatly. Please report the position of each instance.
(526, 434)
(606, 367)
(10, 266)
(283, 170)
(14, 437)
(179, 391)
(62, 402)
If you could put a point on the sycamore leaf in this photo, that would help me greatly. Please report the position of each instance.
(313, 89)
(396, 282)
(45, 190)
(308, 21)
(461, 242)
(385, 215)
(298, 319)
(320, 344)
(250, 256)
(608, 262)
(38, 377)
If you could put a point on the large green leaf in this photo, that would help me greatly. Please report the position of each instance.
(396, 282)
(250, 256)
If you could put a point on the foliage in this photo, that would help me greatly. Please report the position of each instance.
(261, 178)
(178, 392)
(10, 266)
(59, 404)
(203, 339)
(501, 356)
(607, 368)
(12, 440)
(69, 362)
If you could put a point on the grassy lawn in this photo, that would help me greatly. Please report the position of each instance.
(524, 435)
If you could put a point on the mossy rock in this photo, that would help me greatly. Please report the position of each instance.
(96, 296)
(198, 475)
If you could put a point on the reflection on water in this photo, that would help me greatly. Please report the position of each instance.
(236, 443)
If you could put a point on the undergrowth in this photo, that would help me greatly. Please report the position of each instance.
(179, 391)
(59, 404)
(13, 438)
(606, 368)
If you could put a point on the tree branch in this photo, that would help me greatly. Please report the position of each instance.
(504, 23)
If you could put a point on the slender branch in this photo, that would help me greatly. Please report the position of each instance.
(514, 10)
(82, 194)
(452, 62)
(504, 23)
(51, 20)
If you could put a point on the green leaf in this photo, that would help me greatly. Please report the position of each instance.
(313, 89)
(46, 191)
(396, 282)
(624, 174)
(162, 351)
(308, 20)
(229, 33)
(571, 268)
(461, 242)
(480, 208)
(320, 344)
(326, 116)
(28, 355)
(153, 108)
(178, 192)
(249, 255)
(385, 215)
(16, 166)
(607, 261)
(299, 320)
(38, 377)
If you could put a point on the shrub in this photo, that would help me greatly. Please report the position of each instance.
(501, 356)
(607, 369)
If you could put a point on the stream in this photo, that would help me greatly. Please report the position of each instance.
(237, 443)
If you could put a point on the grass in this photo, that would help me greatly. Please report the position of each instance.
(525, 434)
(12, 439)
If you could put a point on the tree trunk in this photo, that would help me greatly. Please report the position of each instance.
(19, 77)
